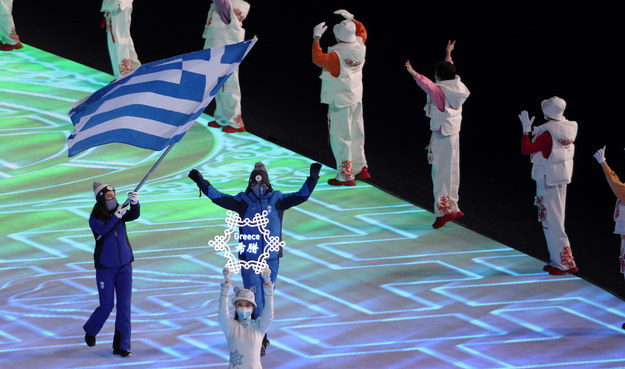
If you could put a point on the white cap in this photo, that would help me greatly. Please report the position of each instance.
(345, 31)
(554, 108)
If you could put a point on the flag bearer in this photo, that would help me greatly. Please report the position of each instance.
(113, 262)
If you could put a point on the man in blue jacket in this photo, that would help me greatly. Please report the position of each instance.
(258, 197)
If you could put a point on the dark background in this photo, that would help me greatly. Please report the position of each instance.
(510, 54)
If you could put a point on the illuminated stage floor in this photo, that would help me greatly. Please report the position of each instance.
(365, 281)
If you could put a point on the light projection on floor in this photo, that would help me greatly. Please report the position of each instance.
(365, 281)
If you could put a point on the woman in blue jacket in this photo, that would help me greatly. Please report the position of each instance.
(258, 197)
(112, 257)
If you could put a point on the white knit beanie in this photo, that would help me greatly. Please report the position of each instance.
(99, 189)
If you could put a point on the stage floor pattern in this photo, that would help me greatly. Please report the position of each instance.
(365, 281)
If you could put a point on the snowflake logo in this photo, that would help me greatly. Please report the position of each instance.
(234, 222)
(236, 359)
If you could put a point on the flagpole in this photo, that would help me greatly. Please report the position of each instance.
(150, 172)
(146, 177)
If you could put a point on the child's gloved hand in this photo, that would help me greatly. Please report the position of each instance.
(227, 275)
(266, 274)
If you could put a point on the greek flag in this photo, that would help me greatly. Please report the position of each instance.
(155, 105)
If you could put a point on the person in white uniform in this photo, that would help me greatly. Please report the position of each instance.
(341, 90)
(445, 98)
(224, 26)
(245, 332)
(117, 14)
(551, 152)
(618, 188)
(9, 40)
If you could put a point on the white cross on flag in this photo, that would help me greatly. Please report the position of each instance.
(154, 106)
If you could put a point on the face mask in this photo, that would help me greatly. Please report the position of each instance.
(244, 312)
(259, 189)
(111, 204)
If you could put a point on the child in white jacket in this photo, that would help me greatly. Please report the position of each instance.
(245, 333)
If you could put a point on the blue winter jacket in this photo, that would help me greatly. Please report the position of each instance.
(247, 204)
(113, 248)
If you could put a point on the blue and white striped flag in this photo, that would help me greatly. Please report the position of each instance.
(155, 105)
